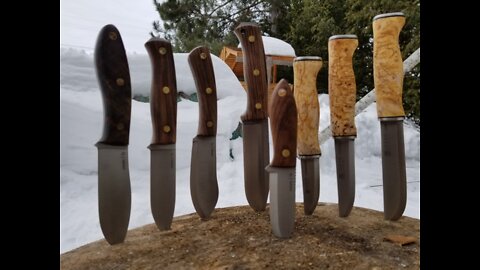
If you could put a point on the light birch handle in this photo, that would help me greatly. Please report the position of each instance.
(341, 84)
(305, 70)
(387, 64)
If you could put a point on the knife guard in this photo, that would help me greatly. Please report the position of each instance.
(305, 70)
(163, 93)
(202, 69)
(254, 70)
(341, 84)
(113, 77)
(387, 64)
(283, 125)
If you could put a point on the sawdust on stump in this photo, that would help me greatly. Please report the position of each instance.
(239, 238)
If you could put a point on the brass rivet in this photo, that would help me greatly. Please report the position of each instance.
(258, 105)
(282, 92)
(251, 38)
(209, 90)
(285, 153)
(120, 82)
(112, 35)
(203, 55)
(162, 50)
(256, 72)
(209, 124)
(120, 126)
(166, 90)
(166, 129)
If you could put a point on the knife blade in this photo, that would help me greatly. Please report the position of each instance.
(283, 125)
(163, 110)
(305, 70)
(203, 169)
(113, 76)
(342, 93)
(255, 119)
(388, 78)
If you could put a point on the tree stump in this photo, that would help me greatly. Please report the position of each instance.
(239, 238)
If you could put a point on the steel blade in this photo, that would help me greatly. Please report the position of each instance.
(393, 167)
(203, 175)
(311, 183)
(162, 184)
(345, 161)
(114, 194)
(255, 159)
(282, 201)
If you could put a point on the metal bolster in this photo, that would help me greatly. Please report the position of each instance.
(386, 15)
(349, 137)
(308, 156)
(307, 58)
(343, 37)
(391, 119)
(161, 146)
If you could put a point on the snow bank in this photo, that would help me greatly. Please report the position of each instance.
(275, 46)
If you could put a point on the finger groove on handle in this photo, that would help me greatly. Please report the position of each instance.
(388, 66)
(342, 86)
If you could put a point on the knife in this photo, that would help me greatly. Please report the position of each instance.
(255, 118)
(283, 125)
(203, 169)
(163, 109)
(113, 76)
(342, 93)
(305, 70)
(388, 78)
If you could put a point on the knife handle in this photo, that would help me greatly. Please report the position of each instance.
(202, 69)
(305, 70)
(113, 77)
(283, 124)
(388, 64)
(341, 84)
(254, 71)
(163, 95)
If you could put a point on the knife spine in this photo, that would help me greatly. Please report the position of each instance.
(163, 95)
(283, 125)
(113, 77)
(254, 70)
(200, 63)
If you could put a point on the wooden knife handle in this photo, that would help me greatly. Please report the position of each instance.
(202, 69)
(305, 70)
(283, 124)
(388, 64)
(163, 95)
(113, 77)
(341, 84)
(254, 70)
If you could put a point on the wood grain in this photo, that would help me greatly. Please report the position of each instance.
(202, 69)
(255, 71)
(388, 66)
(113, 77)
(306, 99)
(283, 124)
(163, 95)
(342, 86)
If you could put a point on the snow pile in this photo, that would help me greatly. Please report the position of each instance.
(275, 46)
(81, 126)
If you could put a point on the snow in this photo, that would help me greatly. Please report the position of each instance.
(81, 126)
(275, 46)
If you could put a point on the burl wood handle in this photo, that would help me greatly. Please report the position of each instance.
(388, 64)
(254, 70)
(202, 69)
(305, 70)
(113, 77)
(283, 124)
(341, 84)
(163, 95)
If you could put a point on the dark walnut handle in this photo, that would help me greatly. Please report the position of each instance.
(114, 80)
(283, 124)
(202, 69)
(254, 70)
(163, 93)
